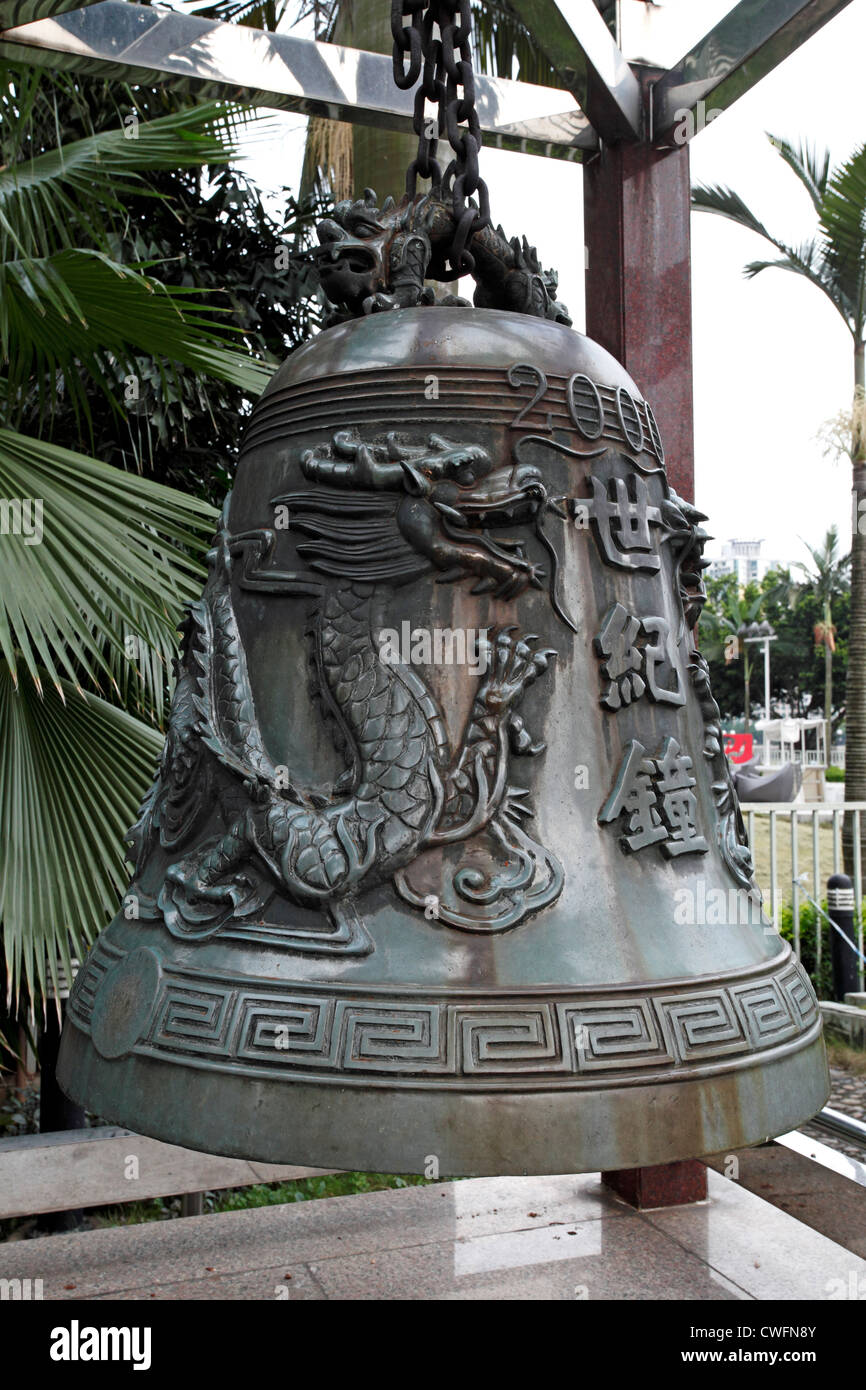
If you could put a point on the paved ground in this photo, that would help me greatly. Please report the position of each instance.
(488, 1238)
(814, 1183)
(848, 1094)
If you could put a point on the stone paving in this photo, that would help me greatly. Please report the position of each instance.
(848, 1095)
(564, 1238)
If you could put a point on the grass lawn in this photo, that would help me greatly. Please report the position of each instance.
(761, 855)
(262, 1195)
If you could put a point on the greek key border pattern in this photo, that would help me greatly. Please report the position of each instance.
(313, 1033)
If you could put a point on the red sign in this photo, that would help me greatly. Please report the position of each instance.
(739, 747)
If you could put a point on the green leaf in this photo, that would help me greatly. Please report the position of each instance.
(726, 203)
(73, 771)
(117, 553)
(835, 260)
(843, 224)
(811, 168)
(72, 309)
(60, 198)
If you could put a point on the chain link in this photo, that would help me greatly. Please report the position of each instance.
(407, 39)
(448, 82)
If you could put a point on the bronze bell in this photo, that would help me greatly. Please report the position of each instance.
(443, 778)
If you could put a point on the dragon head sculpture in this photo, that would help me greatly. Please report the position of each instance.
(352, 257)
(373, 258)
(406, 508)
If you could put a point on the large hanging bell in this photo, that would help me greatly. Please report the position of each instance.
(443, 860)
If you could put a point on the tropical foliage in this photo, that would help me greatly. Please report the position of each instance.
(721, 625)
(502, 44)
(834, 260)
(114, 350)
(827, 581)
(797, 660)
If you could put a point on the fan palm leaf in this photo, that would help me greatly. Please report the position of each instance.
(117, 555)
(91, 595)
(69, 312)
(73, 770)
(60, 198)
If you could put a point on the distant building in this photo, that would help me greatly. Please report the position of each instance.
(744, 559)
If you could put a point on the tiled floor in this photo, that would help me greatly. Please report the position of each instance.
(486, 1238)
(848, 1095)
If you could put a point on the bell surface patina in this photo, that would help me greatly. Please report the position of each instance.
(443, 858)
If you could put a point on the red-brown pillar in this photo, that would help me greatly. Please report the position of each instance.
(639, 306)
(638, 283)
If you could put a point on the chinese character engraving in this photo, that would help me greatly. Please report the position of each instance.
(656, 796)
(631, 665)
(679, 805)
(622, 515)
(634, 795)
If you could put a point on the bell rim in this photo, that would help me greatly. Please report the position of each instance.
(569, 1038)
(479, 1135)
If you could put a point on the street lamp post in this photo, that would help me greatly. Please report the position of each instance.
(762, 633)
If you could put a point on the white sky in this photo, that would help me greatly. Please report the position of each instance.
(772, 359)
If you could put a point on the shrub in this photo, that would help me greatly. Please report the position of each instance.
(810, 927)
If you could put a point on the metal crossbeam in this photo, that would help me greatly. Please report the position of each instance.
(136, 43)
(742, 48)
(576, 41)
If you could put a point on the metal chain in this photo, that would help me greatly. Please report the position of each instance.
(407, 39)
(448, 82)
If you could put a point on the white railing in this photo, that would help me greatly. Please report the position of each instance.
(822, 863)
(806, 757)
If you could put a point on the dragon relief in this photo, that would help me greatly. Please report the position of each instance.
(372, 259)
(688, 539)
(377, 515)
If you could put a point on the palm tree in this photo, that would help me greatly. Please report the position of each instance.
(95, 562)
(834, 260)
(826, 581)
(721, 637)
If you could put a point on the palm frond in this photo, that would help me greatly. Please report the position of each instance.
(726, 203)
(115, 553)
(61, 197)
(503, 46)
(807, 260)
(811, 168)
(141, 670)
(835, 261)
(74, 308)
(843, 223)
(62, 791)
(255, 14)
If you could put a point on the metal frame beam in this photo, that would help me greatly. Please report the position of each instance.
(743, 47)
(578, 44)
(136, 43)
